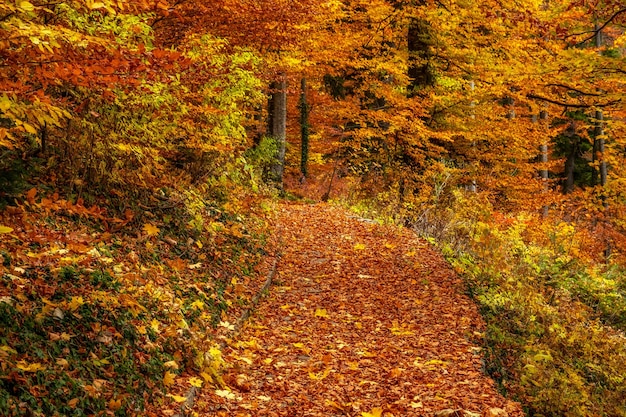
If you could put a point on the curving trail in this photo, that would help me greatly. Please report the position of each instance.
(363, 320)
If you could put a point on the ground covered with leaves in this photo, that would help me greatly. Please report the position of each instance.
(105, 314)
(362, 320)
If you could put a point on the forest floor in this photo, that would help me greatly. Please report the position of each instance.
(361, 320)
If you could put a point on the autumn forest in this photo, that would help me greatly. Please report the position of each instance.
(313, 208)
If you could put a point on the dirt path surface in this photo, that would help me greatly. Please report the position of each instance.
(362, 320)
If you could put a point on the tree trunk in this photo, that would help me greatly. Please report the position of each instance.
(543, 158)
(570, 162)
(304, 128)
(598, 142)
(473, 187)
(420, 70)
(278, 126)
(600, 138)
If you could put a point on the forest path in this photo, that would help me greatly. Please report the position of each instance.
(362, 320)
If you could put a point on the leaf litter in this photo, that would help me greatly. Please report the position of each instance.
(377, 328)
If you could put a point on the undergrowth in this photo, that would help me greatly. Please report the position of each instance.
(120, 313)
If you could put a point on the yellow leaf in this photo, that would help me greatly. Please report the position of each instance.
(171, 365)
(168, 379)
(30, 367)
(321, 312)
(72, 403)
(8, 349)
(376, 412)
(75, 303)
(359, 246)
(27, 6)
(206, 377)
(227, 325)
(5, 229)
(320, 375)
(150, 229)
(195, 382)
(224, 393)
(29, 128)
(177, 398)
(154, 325)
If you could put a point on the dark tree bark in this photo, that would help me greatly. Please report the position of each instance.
(277, 124)
(570, 162)
(543, 158)
(421, 73)
(304, 128)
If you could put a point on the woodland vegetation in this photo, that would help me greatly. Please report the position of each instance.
(143, 145)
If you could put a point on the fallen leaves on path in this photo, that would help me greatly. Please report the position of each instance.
(364, 320)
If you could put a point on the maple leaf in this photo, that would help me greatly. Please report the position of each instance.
(75, 303)
(224, 393)
(150, 229)
(5, 229)
(227, 325)
(169, 378)
(321, 312)
(154, 325)
(115, 404)
(195, 382)
(320, 375)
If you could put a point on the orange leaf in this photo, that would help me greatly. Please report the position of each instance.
(150, 229)
(30, 195)
(168, 378)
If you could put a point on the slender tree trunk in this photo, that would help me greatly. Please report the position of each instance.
(278, 126)
(473, 187)
(594, 158)
(570, 162)
(600, 138)
(598, 142)
(44, 138)
(543, 158)
(304, 128)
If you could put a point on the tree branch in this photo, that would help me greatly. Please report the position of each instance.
(597, 30)
(567, 87)
(572, 105)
